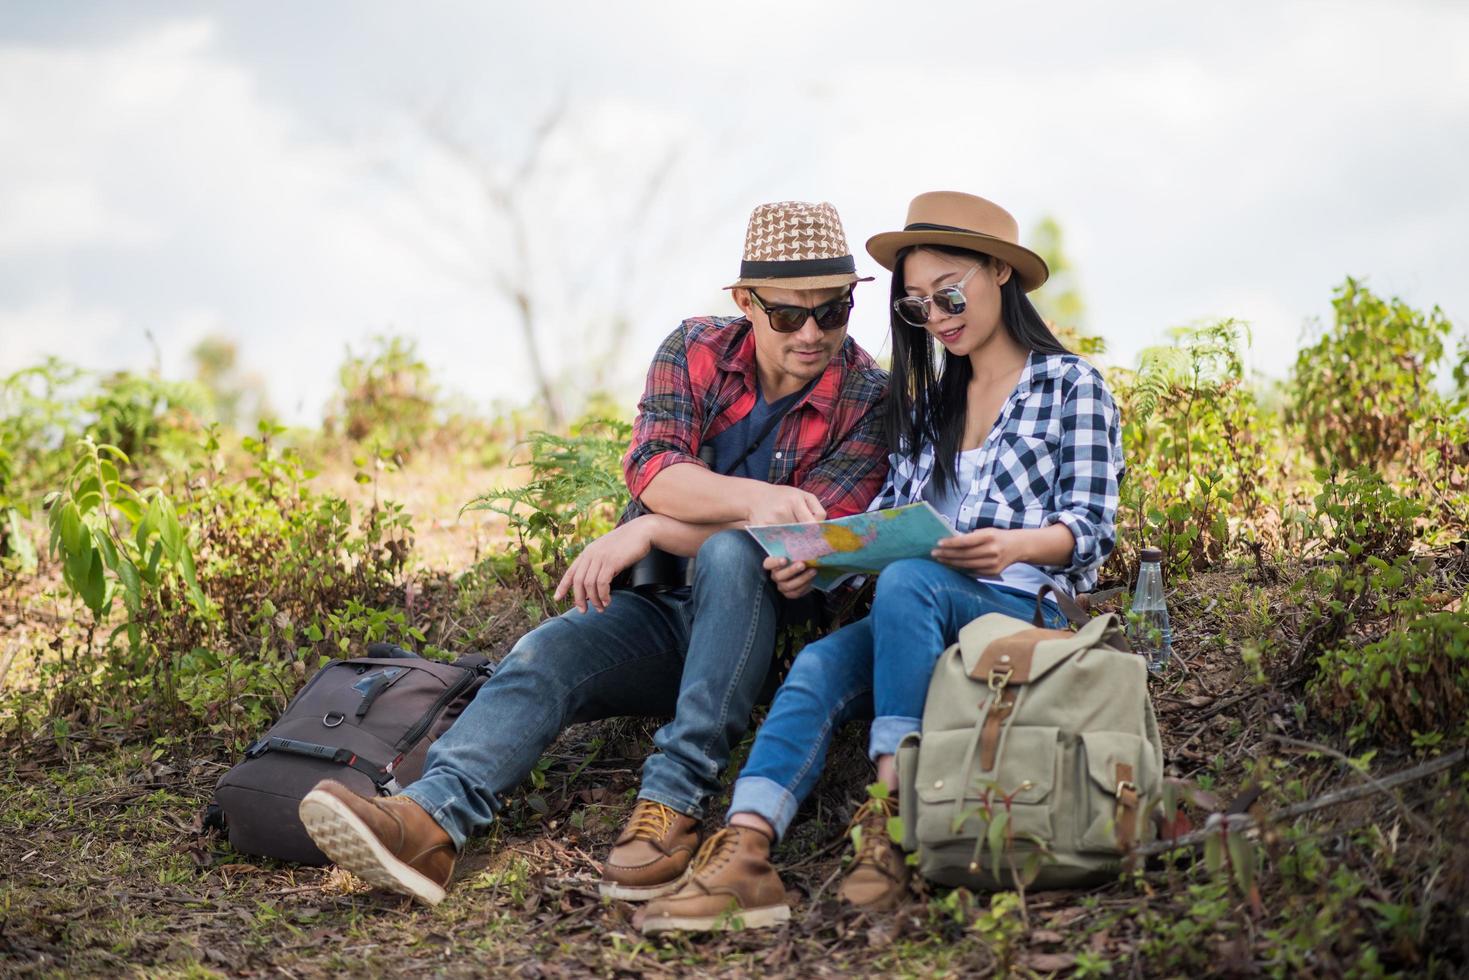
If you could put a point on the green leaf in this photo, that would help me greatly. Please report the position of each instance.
(104, 544)
(878, 791)
(895, 830)
(150, 575)
(1213, 853)
(995, 837)
(186, 568)
(88, 494)
(1242, 858)
(115, 453)
(170, 532)
(71, 527)
(132, 586)
(129, 508)
(94, 586)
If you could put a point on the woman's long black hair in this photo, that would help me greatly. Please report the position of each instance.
(928, 396)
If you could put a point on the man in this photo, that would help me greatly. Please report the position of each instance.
(784, 410)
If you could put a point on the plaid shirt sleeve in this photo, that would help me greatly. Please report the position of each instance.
(849, 475)
(1091, 469)
(666, 429)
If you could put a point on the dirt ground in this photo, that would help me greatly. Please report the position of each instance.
(106, 873)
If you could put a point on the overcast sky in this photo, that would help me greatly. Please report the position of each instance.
(264, 170)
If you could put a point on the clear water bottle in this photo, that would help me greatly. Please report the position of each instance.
(1148, 627)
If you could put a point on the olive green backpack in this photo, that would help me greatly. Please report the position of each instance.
(1039, 757)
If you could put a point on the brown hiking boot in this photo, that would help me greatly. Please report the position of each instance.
(389, 842)
(878, 878)
(733, 887)
(651, 857)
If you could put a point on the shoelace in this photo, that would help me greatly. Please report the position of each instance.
(715, 847)
(650, 821)
(872, 817)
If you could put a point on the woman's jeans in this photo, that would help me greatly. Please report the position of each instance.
(699, 654)
(876, 668)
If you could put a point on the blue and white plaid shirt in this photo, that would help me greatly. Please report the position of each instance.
(1053, 457)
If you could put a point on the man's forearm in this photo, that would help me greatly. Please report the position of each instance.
(694, 495)
(682, 537)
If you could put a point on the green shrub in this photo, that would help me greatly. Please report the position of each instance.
(575, 493)
(40, 417)
(1437, 471)
(385, 398)
(232, 592)
(152, 421)
(1357, 390)
(1361, 533)
(17, 552)
(1410, 685)
(1200, 474)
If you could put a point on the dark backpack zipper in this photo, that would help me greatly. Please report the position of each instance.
(450, 693)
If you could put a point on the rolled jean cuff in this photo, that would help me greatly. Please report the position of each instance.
(440, 810)
(887, 732)
(766, 799)
(674, 803)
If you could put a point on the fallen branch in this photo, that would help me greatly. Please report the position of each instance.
(1347, 795)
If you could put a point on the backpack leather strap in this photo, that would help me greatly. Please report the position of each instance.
(1126, 812)
(1069, 607)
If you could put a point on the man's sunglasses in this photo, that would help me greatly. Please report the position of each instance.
(831, 315)
(950, 299)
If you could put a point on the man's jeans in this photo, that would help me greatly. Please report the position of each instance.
(700, 654)
(876, 668)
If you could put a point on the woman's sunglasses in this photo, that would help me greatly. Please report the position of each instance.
(950, 299)
(831, 315)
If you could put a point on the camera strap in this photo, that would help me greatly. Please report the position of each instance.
(765, 431)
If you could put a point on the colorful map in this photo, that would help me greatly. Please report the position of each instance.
(863, 544)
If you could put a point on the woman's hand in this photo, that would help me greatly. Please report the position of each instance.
(589, 579)
(792, 578)
(986, 551)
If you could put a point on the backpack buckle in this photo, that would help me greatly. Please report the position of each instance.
(998, 679)
(1125, 786)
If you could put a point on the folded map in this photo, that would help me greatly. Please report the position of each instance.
(863, 544)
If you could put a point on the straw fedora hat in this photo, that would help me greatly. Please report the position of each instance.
(796, 245)
(964, 221)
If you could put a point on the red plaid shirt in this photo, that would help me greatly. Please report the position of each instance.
(703, 380)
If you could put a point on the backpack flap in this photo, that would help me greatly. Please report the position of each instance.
(996, 644)
(1119, 768)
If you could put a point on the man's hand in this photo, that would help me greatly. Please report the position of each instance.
(784, 505)
(987, 551)
(589, 579)
(792, 578)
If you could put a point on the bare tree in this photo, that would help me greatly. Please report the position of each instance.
(521, 213)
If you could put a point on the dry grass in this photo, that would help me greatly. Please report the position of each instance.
(106, 873)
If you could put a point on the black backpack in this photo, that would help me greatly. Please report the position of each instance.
(366, 722)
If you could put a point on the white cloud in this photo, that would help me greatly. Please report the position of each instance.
(184, 178)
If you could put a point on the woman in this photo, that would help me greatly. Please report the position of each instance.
(1018, 443)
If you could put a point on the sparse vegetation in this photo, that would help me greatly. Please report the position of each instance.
(154, 614)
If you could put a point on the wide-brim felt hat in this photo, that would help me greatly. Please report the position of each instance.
(963, 221)
(796, 245)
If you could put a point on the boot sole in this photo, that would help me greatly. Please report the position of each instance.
(761, 918)
(343, 837)
(644, 893)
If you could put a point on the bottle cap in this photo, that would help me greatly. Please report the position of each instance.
(1152, 554)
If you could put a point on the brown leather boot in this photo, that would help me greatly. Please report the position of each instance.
(389, 842)
(651, 857)
(878, 878)
(733, 887)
